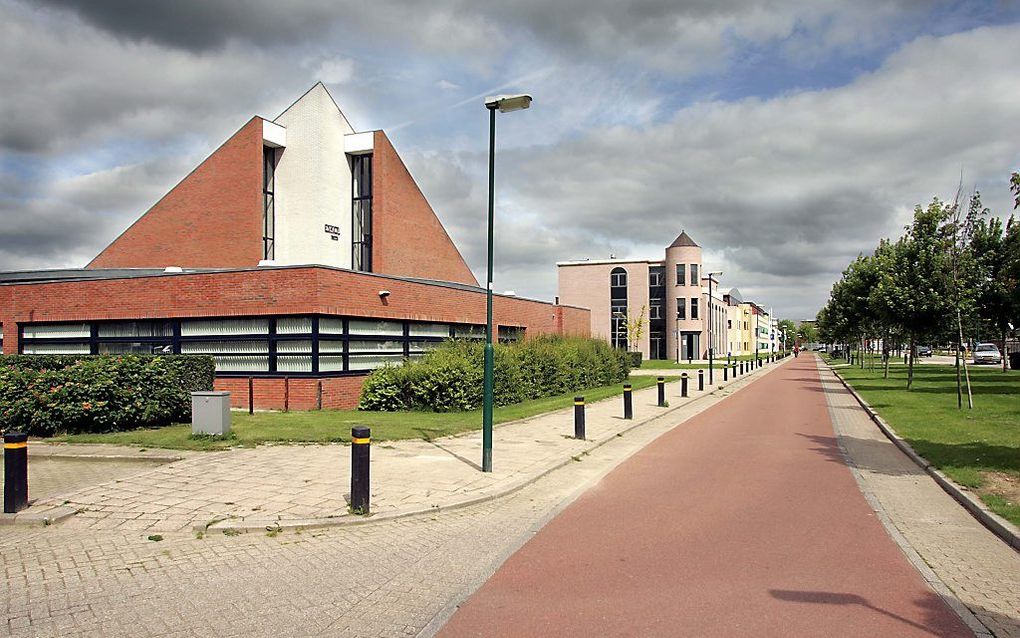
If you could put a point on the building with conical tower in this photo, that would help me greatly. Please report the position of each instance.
(679, 304)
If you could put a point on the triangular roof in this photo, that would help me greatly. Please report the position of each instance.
(316, 88)
(683, 239)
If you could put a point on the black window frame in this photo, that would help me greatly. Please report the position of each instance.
(361, 212)
(268, 202)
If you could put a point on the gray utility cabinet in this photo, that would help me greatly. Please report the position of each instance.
(210, 413)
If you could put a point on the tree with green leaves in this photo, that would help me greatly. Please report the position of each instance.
(913, 288)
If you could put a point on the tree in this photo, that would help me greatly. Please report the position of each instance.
(914, 289)
(635, 328)
(787, 327)
(996, 290)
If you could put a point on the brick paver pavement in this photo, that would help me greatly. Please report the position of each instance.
(378, 579)
(308, 484)
(50, 478)
(979, 569)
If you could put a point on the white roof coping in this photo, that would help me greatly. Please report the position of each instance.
(273, 134)
(359, 143)
(600, 262)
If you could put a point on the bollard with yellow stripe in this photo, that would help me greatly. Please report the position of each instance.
(15, 472)
(361, 445)
(628, 401)
(661, 383)
(579, 418)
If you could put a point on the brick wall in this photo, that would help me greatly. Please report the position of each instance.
(275, 291)
(407, 237)
(340, 393)
(212, 218)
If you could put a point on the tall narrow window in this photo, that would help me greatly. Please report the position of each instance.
(681, 308)
(681, 280)
(268, 205)
(361, 247)
(694, 307)
(694, 275)
(618, 307)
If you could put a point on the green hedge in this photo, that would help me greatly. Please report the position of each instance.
(44, 394)
(450, 377)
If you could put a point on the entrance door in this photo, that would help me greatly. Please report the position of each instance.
(690, 345)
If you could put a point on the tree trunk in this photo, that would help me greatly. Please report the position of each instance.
(959, 380)
(885, 354)
(910, 367)
(1005, 355)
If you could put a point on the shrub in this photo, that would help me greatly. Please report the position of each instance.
(44, 395)
(451, 377)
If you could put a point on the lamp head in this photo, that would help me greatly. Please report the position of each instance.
(508, 103)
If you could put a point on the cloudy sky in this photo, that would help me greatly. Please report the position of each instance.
(784, 135)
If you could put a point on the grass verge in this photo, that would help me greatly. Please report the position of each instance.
(334, 426)
(978, 448)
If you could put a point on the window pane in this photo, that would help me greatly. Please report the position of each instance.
(294, 325)
(294, 346)
(216, 327)
(331, 346)
(424, 346)
(234, 363)
(225, 347)
(135, 348)
(293, 364)
(694, 275)
(429, 330)
(56, 348)
(377, 346)
(362, 327)
(680, 275)
(372, 361)
(57, 331)
(469, 332)
(331, 364)
(136, 329)
(331, 325)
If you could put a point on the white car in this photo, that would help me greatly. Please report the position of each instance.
(987, 353)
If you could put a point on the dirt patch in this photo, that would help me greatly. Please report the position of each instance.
(1001, 484)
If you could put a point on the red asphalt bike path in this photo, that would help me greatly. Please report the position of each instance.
(743, 521)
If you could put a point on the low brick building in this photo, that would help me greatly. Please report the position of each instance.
(300, 254)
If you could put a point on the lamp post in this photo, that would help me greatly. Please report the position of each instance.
(505, 104)
(711, 346)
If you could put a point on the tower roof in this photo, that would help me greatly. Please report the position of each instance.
(683, 239)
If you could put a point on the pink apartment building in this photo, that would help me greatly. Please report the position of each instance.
(671, 294)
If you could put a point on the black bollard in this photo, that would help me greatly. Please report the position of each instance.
(726, 373)
(579, 418)
(15, 472)
(701, 380)
(661, 382)
(628, 402)
(361, 445)
(734, 369)
(683, 384)
(741, 367)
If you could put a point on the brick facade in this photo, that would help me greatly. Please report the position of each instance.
(211, 219)
(407, 237)
(275, 291)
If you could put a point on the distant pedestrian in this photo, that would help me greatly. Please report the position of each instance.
(796, 352)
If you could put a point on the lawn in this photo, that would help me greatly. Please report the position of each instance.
(330, 426)
(979, 448)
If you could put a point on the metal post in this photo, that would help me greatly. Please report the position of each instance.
(579, 418)
(628, 402)
(15, 472)
(286, 394)
(701, 380)
(661, 382)
(741, 367)
(251, 396)
(710, 349)
(725, 373)
(487, 396)
(361, 445)
(734, 369)
(683, 384)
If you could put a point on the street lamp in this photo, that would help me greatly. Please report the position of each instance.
(710, 277)
(505, 104)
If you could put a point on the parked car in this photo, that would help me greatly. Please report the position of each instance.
(987, 353)
(924, 351)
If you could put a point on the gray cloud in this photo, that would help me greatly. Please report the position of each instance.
(785, 190)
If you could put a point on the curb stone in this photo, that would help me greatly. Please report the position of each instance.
(257, 525)
(39, 518)
(999, 526)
